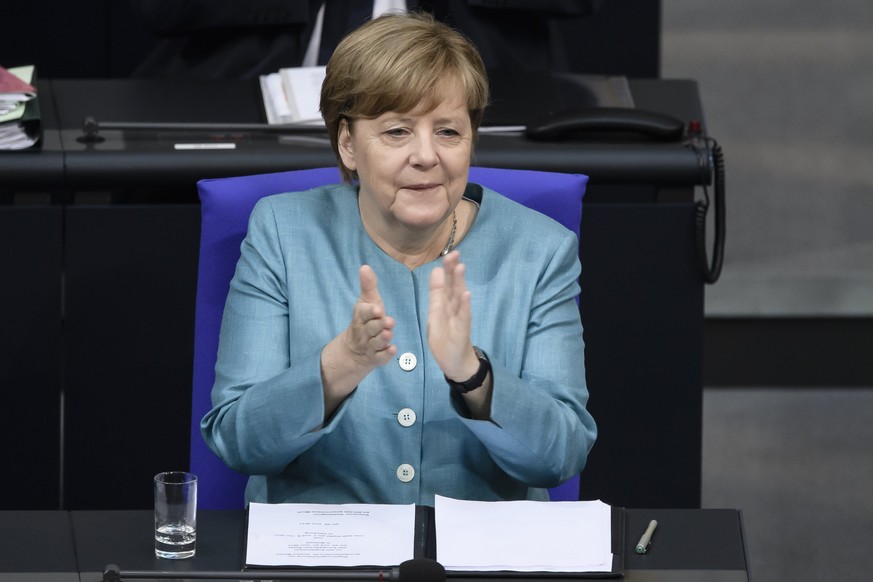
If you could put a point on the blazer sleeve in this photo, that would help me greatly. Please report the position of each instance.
(540, 431)
(266, 410)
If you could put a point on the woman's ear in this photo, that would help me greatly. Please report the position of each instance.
(345, 145)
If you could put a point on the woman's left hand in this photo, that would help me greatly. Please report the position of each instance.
(448, 322)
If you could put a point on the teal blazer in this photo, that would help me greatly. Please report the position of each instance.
(402, 436)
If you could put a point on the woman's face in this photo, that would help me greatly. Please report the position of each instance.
(412, 166)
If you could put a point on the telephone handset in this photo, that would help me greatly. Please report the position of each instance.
(621, 123)
(613, 122)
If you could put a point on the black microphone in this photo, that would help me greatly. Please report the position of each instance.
(419, 570)
(414, 570)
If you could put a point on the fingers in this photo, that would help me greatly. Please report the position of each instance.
(369, 286)
(371, 331)
(448, 283)
(449, 316)
(451, 265)
(378, 349)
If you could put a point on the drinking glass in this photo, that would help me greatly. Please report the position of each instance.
(175, 514)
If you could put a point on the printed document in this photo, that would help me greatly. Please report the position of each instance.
(318, 535)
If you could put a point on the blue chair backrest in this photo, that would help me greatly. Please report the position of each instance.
(225, 207)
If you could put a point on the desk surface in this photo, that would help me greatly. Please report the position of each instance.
(689, 545)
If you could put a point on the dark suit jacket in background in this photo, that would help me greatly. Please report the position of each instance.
(223, 39)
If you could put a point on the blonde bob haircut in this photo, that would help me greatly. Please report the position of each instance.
(399, 62)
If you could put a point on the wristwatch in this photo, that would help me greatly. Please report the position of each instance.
(477, 379)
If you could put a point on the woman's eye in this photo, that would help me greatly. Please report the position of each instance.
(450, 136)
(396, 132)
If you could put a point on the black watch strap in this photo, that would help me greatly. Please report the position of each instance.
(477, 379)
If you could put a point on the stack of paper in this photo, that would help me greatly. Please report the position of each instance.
(524, 536)
(291, 95)
(19, 110)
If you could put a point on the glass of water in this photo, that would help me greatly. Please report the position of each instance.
(175, 515)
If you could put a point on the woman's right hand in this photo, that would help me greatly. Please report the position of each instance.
(364, 345)
(368, 337)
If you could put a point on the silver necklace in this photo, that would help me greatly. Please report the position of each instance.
(451, 243)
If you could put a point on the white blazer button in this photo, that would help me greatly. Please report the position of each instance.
(405, 473)
(406, 417)
(408, 361)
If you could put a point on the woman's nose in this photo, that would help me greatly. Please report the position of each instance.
(423, 152)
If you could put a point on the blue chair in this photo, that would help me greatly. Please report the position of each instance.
(225, 206)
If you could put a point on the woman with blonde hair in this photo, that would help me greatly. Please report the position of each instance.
(361, 359)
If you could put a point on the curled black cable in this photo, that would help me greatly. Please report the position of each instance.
(711, 155)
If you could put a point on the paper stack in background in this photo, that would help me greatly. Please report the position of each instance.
(291, 95)
(19, 109)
